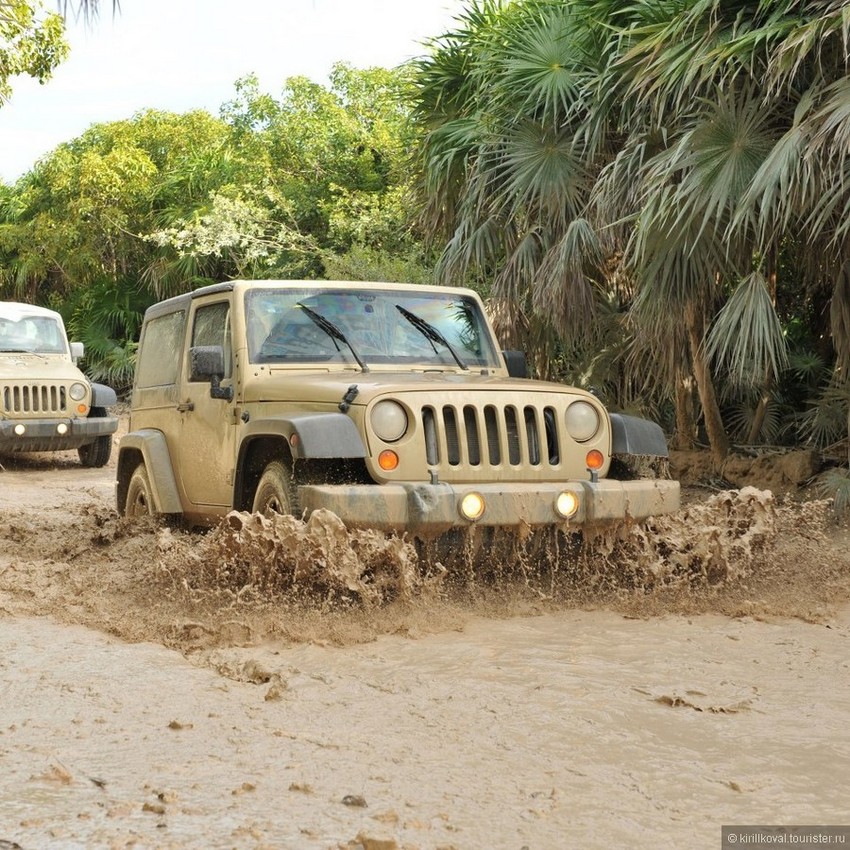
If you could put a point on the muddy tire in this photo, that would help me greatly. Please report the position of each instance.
(276, 491)
(96, 454)
(139, 500)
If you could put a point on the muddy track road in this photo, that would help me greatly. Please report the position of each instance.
(161, 689)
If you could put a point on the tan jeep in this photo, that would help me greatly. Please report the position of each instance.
(46, 402)
(389, 404)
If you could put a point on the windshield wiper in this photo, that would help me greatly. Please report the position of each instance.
(334, 333)
(431, 334)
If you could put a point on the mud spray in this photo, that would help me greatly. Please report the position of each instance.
(254, 578)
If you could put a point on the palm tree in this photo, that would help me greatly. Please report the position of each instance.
(735, 154)
(685, 147)
(502, 101)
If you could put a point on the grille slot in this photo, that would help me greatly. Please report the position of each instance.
(45, 399)
(473, 444)
(491, 426)
(452, 437)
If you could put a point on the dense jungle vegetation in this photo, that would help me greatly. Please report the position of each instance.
(654, 198)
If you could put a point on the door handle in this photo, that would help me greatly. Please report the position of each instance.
(185, 407)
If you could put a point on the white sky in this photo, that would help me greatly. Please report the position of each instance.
(186, 54)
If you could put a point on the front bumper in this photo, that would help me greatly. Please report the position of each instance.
(434, 508)
(46, 435)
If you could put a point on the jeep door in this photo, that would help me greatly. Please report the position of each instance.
(208, 429)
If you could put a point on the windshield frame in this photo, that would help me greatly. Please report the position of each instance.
(370, 319)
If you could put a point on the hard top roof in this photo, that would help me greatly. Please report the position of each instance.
(16, 311)
(182, 301)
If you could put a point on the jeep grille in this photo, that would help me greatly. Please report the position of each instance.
(491, 435)
(30, 399)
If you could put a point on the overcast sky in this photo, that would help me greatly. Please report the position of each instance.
(186, 54)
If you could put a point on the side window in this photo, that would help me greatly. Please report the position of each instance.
(159, 355)
(212, 327)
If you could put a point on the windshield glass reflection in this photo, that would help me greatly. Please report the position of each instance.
(32, 335)
(280, 330)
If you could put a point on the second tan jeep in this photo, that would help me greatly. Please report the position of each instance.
(46, 403)
(389, 404)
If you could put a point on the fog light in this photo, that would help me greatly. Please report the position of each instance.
(388, 460)
(566, 504)
(20, 430)
(472, 506)
(61, 428)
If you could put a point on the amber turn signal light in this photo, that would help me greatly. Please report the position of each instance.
(594, 459)
(388, 460)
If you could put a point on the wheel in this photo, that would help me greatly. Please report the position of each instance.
(96, 454)
(276, 491)
(139, 500)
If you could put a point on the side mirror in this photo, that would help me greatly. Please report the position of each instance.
(77, 351)
(516, 363)
(206, 363)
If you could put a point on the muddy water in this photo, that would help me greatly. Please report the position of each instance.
(160, 690)
(581, 729)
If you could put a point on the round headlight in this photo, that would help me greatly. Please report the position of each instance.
(389, 421)
(77, 391)
(582, 421)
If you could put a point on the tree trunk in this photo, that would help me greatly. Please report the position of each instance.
(685, 423)
(760, 412)
(718, 439)
(839, 309)
(764, 398)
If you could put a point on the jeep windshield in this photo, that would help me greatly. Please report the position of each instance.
(31, 335)
(447, 331)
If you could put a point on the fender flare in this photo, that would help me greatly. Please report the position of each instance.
(102, 396)
(151, 444)
(634, 436)
(310, 435)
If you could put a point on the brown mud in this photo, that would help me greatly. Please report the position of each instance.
(642, 687)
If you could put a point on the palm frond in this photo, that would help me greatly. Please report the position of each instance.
(746, 338)
(835, 484)
(542, 171)
(538, 73)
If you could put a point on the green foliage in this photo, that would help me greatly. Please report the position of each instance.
(835, 484)
(362, 262)
(106, 317)
(570, 147)
(32, 42)
(747, 339)
(133, 211)
(653, 195)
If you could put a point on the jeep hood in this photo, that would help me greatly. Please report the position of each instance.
(330, 387)
(16, 366)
